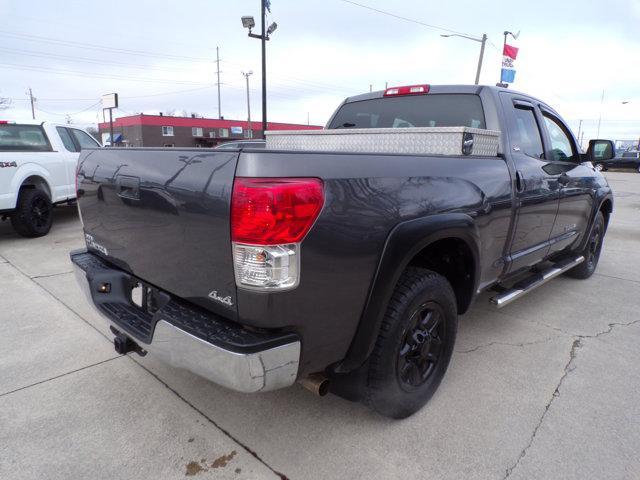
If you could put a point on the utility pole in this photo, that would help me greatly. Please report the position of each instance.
(600, 117)
(246, 76)
(33, 110)
(579, 130)
(218, 73)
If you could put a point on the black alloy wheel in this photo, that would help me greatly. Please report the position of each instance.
(591, 252)
(421, 348)
(414, 344)
(33, 216)
(40, 212)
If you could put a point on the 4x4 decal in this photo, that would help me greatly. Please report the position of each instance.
(8, 164)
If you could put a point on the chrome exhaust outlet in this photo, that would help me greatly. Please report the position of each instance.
(316, 383)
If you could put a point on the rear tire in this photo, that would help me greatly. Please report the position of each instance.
(34, 213)
(414, 346)
(591, 252)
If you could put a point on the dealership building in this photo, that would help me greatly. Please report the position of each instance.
(167, 131)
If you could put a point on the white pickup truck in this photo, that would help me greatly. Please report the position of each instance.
(37, 172)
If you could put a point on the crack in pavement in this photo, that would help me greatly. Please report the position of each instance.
(209, 419)
(568, 368)
(521, 344)
(51, 275)
(80, 317)
(60, 376)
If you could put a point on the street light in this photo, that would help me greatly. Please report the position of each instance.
(482, 41)
(249, 22)
(246, 76)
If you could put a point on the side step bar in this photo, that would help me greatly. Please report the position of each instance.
(531, 283)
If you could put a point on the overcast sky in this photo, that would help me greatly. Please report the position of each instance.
(160, 55)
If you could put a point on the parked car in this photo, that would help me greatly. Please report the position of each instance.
(37, 171)
(257, 143)
(345, 270)
(627, 160)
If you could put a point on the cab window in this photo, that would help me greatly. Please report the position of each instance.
(562, 149)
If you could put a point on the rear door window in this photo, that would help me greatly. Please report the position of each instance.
(527, 132)
(27, 138)
(84, 139)
(67, 141)
(430, 110)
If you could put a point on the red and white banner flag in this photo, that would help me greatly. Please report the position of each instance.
(509, 51)
(508, 73)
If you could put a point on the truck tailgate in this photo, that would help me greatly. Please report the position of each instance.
(163, 216)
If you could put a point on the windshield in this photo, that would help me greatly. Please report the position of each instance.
(440, 110)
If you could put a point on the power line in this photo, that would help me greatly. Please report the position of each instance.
(65, 114)
(406, 19)
(96, 75)
(93, 46)
(31, 53)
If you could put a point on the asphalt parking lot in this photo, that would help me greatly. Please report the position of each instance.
(548, 387)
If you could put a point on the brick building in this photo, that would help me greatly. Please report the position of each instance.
(166, 131)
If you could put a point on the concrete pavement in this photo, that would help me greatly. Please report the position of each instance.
(546, 388)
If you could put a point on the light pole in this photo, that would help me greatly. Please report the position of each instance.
(249, 22)
(246, 76)
(482, 42)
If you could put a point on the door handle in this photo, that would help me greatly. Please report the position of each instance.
(519, 181)
(128, 187)
(564, 179)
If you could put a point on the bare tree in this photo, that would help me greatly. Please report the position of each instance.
(5, 103)
(93, 131)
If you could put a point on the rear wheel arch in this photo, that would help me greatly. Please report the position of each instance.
(410, 244)
(606, 207)
(36, 181)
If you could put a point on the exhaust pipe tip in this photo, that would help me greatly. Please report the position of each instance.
(316, 383)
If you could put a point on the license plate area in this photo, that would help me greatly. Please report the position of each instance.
(138, 294)
(146, 298)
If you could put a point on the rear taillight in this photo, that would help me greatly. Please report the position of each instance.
(269, 219)
(78, 194)
(272, 211)
(408, 90)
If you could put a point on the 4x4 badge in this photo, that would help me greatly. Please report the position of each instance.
(226, 300)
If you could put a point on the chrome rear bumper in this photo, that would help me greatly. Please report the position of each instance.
(255, 371)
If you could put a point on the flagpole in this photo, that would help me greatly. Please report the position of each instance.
(504, 44)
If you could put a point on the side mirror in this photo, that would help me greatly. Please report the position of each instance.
(600, 150)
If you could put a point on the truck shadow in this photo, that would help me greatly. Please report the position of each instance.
(65, 217)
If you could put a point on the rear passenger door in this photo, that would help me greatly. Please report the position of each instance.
(576, 181)
(537, 189)
(70, 158)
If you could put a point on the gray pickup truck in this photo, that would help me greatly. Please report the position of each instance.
(345, 271)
